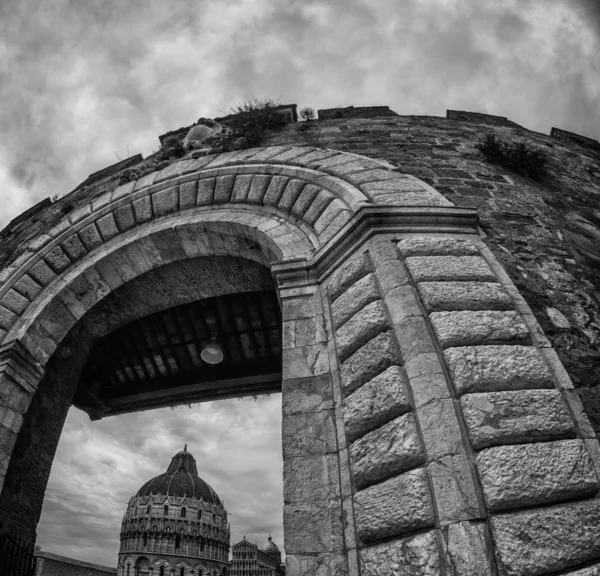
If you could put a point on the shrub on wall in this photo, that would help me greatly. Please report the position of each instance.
(519, 157)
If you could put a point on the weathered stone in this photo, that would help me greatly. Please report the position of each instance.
(589, 571)
(436, 247)
(361, 328)
(291, 193)
(308, 434)
(317, 564)
(386, 452)
(165, 201)
(107, 226)
(544, 540)
(540, 473)
(304, 332)
(188, 191)
(496, 368)
(467, 549)
(518, 416)
(396, 506)
(454, 490)
(448, 268)
(305, 395)
(416, 556)
(313, 527)
(447, 296)
(380, 400)
(223, 188)
(311, 478)
(305, 361)
(369, 361)
(355, 298)
(402, 303)
(57, 259)
(427, 378)
(441, 430)
(485, 327)
(90, 236)
(414, 338)
(348, 275)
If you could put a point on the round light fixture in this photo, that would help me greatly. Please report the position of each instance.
(212, 353)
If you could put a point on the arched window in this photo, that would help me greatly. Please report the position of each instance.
(183, 512)
(199, 514)
(200, 572)
(177, 541)
(148, 510)
(182, 571)
(202, 546)
(145, 539)
(166, 510)
(214, 518)
(128, 566)
(162, 570)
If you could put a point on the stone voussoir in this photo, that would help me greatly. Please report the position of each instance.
(469, 328)
(534, 474)
(395, 507)
(436, 247)
(496, 368)
(545, 540)
(452, 296)
(386, 452)
(361, 328)
(449, 268)
(512, 417)
(377, 402)
(348, 275)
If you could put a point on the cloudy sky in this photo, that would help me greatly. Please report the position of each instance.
(85, 82)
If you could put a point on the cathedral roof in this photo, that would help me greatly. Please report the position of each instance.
(181, 479)
(270, 547)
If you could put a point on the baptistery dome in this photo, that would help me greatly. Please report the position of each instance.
(175, 525)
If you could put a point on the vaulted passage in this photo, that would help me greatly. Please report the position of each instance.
(157, 360)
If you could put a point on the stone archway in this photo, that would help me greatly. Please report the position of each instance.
(402, 338)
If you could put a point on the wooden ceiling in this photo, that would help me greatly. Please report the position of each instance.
(155, 361)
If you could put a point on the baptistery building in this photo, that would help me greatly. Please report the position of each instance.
(176, 525)
(250, 560)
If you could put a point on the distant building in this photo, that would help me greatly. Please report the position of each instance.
(175, 525)
(250, 560)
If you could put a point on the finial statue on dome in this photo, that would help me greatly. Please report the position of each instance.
(185, 447)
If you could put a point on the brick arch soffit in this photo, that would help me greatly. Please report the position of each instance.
(218, 200)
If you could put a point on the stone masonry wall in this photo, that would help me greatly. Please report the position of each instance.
(460, 427)
(546, 235)
(48, 564)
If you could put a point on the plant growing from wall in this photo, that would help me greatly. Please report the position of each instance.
(519, 157)
(249, 121)
(306, 113)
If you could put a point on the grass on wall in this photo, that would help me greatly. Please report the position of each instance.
(520, 157)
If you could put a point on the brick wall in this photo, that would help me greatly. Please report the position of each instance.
(48, 564)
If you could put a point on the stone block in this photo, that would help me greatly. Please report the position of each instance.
(318, 206)
(304, 332)
(74, 247)
(402, 303)
(290, 194)
(467, 549)
(336, 211)
(223, 188)
(394, 507)
(589, 571)
(449, 296)
(369, 361)
(308, 434)
(544, 540)
(41, 272)
(188, 192)
(27, 286)
(349, 274)
(313, 528)
(454, 490)
(380, 400)
(165, 201)
(318, 564)
(449, 268)
(57, 259)
(416, 556)
(440, 427)
(497, 368)
(484, 327)
(391, 274)
(275, 190)
(241, 188)
(534, 474)
(14, 302)
(90, 236)
(386, 452)
(305, 395)
(124, 217)
(304, 306)
(414, 338)
(305, 361)
(206, 191)
(513, 417)
(107, 226)
(259, 186)
(364, 326)
(354, 299)
(142, 209)
(436, 247)
(311, 479)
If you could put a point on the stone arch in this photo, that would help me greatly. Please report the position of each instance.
(370, 268)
